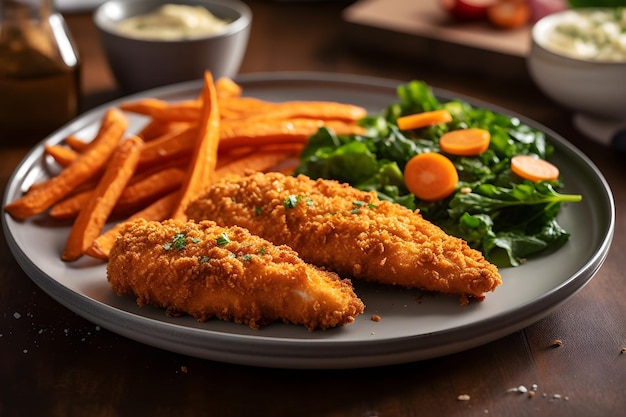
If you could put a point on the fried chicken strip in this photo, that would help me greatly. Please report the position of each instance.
(208, 271)
(350, 232)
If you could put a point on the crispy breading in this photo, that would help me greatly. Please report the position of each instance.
(208, 271)
(350, 232)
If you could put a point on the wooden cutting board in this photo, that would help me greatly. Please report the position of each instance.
(423, 29)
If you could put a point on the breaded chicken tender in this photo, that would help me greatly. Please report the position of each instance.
(350, 232)
(208, 271)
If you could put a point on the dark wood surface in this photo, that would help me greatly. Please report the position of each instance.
(55, 363)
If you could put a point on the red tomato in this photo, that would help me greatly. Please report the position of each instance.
(467, 9)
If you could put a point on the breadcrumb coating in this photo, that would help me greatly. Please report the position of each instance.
(208, 271)
(349, 231)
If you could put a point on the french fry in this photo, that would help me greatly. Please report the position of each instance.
(135, 196)
(62, 155)
(157, 211)
(183, 148)
(156, 128)
(257, 161)
(76, 144)
(169, 146)
(92, 217)
(265, 132)
(185, 110)
(204, 159)
(227, 87)
(143, 192)
(318, 110)
(40, 198)
(236, 107)
(69, 207)
(243, 107)
(240, 133)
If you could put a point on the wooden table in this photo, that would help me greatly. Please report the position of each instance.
(55, 363)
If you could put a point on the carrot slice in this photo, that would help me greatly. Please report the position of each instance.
(40, 198)
(430, 176)
(204, 159)
(465, 142)
(424, 119)
(533, 168)
(93, 216)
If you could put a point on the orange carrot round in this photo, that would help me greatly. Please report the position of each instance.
(430, 176)
(465, 142)
(427, 118)
(534, 169)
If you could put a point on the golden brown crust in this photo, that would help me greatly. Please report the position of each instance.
(208, 271)
(350, 232)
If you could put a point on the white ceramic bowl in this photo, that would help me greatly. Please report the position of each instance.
(140, 64)
(594, 90)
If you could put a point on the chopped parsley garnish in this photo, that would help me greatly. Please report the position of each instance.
(247, 257)
(360, 204)
(291, 201)
(262, 251)
(258, 211)
(179, 242)
(223, 240)
(204, 259)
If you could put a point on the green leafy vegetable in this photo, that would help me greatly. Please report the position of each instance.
(223, 240)
(178, 242)
(506, 217)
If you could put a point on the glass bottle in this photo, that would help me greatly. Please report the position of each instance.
(39, 71)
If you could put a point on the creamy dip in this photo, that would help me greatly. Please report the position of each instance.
(598, 35)
(173, 22)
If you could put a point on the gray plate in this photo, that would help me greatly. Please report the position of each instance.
(410, 329)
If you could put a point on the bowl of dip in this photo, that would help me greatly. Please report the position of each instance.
(578, 59)
(150, 43)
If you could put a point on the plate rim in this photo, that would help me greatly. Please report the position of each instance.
(377, 353)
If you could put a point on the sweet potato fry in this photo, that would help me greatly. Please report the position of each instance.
(169, 146)
(242, 107)
(185, 110)
(77, 144)
(143, 192)
(157, 128)
(135, 196)
(62, 155)
(204, 159)
(92, 217)
(259, 132)
(319, 110)
(69, 207)
(257, 161)
(40, 198)
(157, 211)
(227, 87)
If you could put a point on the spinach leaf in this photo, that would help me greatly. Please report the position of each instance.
(505, 217)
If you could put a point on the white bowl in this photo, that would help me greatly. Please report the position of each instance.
(139, 64)
(594, 89)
